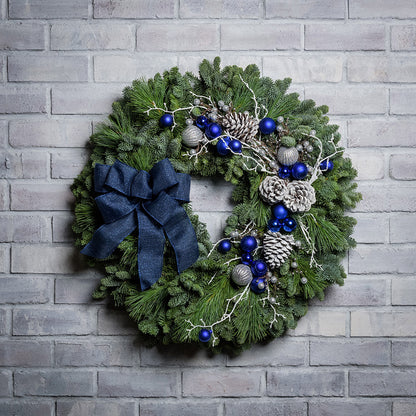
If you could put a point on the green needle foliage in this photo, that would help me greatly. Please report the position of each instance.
(133, 136)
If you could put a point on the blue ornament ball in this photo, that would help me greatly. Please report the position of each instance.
(259, 268)
(274, 225)
(201, 122)
(222, 146)
(258, 285)
(247, 259)
(267, 125)
(284, 172)
(213, 130)
(299, 170)
(248, 243)
(235, 146)
(224, 246)
(166, 120)
(327, 165)
(280, 212)
(289, 224)
(204, 335)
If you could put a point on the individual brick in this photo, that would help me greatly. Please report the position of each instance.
(298, 9)
(382, 383)
(54, 383)
(4, 261)
(326, 323)
(24, 229)
(371, 228)
(96, 99)
(56, 321)
(4, 196)
(369, 165)
(265, 408)
(27, 408)
(403, 292)
(68, 164)
(62, 228)
(223, 383)
(348, 37)
(304, 69)
(402, 408)
(5, 383)
(264, 37)
(171, 37)
(19, 353)
(24, 165)
(403, 166)
(355, 293)
(103, 353)
(48, 9)
(82, 36)
(2, 65)
(182, 408)
(72, 290)
(343, 408)
(22, 100)
(42, 258)
(48, 68)
(112, 322)
(401, 9)
(95, 408)
(49, 133)
(403, 38)
(403, 101)
(381, 69)
(134, 9)
(138, 383)
(383, 324)
(110, 68)
(330, 352)
(22, 36)
(381, 133)
(381, 259)
(3, 134)
(25, 289)
(292, 383)
(403, 353)
(216, 9)
(3, 321)
(41, 197)
(211, 195)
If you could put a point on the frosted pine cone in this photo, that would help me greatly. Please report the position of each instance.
(277, 248)
(299, 197)
(273, 189)
(240, 126)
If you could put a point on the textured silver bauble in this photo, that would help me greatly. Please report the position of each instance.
(191, 136)
(304, 280)
(273, 279)
(241, 275)
(287, 156)
(280, 119)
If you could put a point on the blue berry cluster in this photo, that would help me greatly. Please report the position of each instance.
(281, 220)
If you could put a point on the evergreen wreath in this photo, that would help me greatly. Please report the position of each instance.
(288, 231)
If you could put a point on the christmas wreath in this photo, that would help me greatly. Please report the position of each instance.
(283, 241)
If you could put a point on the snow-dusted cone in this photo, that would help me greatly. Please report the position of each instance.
(240, 126)
(273, 189)
(299, 196)
(277, 248)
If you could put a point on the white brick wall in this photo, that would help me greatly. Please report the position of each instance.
(62, 63)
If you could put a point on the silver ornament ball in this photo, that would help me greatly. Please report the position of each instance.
(299, 147)
(273, 279)
(197, 101)
(234, 234)
(260, 286)
(212, 116)
(312, 133)
(309, 149)
(192, 151)
(272, 300)
(273, 164)
(189, 122)
(287, 156)
(305, 143)
(280, 119)
(304, 280)
(298, 243)
(225, 108)
(269, 274)
(241, 275)
(294, 265)
(191, 136)
(221, 103)
(279, 128)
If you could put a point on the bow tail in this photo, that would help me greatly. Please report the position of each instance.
(151, 243)
(106, 239)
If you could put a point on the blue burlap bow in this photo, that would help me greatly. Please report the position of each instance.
(149, 201)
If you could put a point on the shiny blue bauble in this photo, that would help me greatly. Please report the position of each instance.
(235, 146)
(327, 165)
(267, 125)
(254, 286)
(224, 246)
(213, 130)
(248, 243)
(204, 335)
(289, 224)
(166, 120)
(274, 225)
(201, 122)
(299, 170)
(222, 146)
(280, 212)
(259, 268)
(247, 259)
(284, 172)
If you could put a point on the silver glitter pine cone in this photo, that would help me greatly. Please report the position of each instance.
(273, 189)
(241, 126)
(277, 248)
(287, 156)
(241, 275)
(300, 196)
(191, 136)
